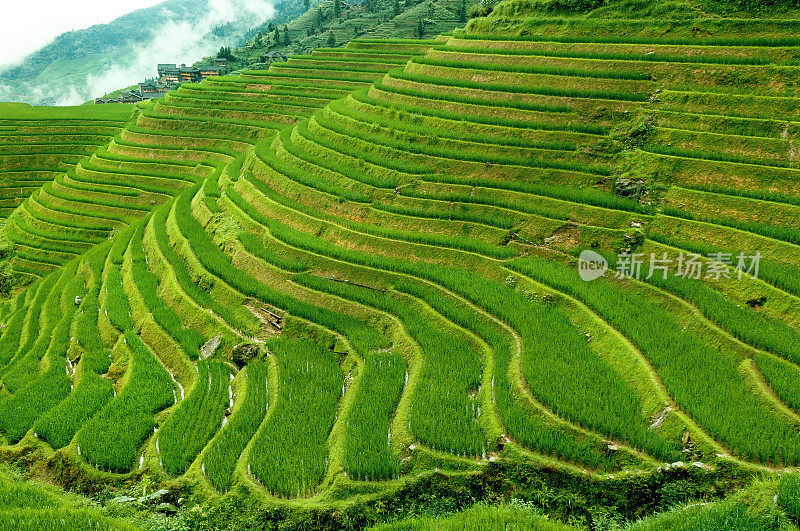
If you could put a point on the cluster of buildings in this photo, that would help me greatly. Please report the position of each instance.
(170, 76)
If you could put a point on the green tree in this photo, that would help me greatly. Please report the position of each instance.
(331, 40)
(307, 4)
(270, 27)
(420, 31)
(277, 36)
(225, 53)
(337, 8)
(461, 11)
(285, 34)
(396, 7)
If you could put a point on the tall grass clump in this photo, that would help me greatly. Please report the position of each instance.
(61, 423)
(368, 453)
(446, 409)
(147, 283)
(289, 455)
(110, 441)
(223, 451)
(789, 495)
(196, 420)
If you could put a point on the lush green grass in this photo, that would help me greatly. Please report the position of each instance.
(513, 308)
(616, 56)
(36, 506)
(147, 283)
(368, 452)
(22, 111)
(110, 441)
(60, 424)
(181, 272)
(219, 264)
(479, 518)
(729, 514)
(224, 450)
(754, 328)
(289, 455)
(196, 420)
(615, 95)
(789, 495)
(698, 375)
(489, 120)
(446, 411)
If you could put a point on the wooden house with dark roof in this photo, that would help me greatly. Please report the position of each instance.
(169, 73)
(273, 57)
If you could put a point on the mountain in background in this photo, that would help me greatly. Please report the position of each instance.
(80, 65)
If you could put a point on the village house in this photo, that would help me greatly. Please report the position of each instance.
(130, 96)
(151, 88)
(207, 71)
(273, 57)
(169, 74)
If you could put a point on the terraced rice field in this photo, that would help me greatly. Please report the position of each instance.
(37, 145)
(394, 227)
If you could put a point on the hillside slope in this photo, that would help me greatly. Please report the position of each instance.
(321, 26)
(360, 265)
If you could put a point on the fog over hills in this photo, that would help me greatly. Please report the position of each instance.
(80, 65)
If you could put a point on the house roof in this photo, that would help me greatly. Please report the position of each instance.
(167, 69)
